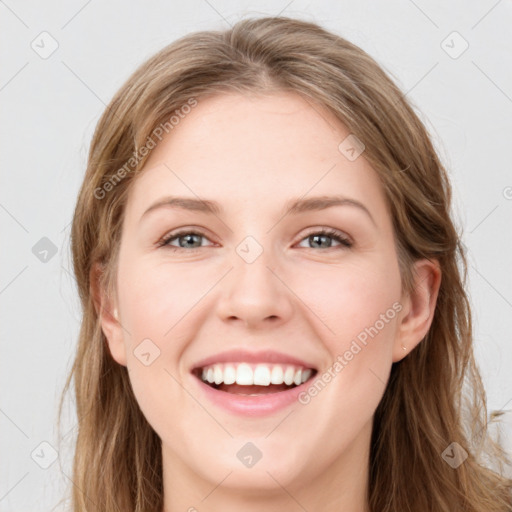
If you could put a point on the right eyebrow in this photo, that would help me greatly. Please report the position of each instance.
(186, 203)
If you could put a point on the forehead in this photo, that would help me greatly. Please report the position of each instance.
(254, 150)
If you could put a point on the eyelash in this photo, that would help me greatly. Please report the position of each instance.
(332, 233)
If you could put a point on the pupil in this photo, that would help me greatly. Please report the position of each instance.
(189, 238)
(314, 238)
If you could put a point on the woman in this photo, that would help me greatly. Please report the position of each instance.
(309, 352)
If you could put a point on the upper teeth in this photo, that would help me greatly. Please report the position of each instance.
(245, 374)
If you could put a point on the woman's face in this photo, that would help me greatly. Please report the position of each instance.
(258, 278)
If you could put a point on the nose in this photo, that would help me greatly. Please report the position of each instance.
(254, 294)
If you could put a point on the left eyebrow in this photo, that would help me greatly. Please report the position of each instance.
(293, 206)
(323, 202)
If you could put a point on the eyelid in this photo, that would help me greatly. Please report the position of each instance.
(332, 232)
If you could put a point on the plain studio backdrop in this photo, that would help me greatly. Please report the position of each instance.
(62, 63)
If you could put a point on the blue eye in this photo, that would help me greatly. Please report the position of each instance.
(317, 237)
(189, 238)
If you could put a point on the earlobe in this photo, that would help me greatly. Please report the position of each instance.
(108, 314)
(419, 308)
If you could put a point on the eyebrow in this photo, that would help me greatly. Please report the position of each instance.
(293, 206)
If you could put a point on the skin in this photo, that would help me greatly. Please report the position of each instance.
(252, 155)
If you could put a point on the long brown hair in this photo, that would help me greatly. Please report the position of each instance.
(434, 396)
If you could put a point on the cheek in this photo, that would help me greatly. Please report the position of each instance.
(350, 298)
(359, 308)
(360, 305)
(155, 296)
(160, 306)
(154, 302)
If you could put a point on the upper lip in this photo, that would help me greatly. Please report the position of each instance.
(245, 356)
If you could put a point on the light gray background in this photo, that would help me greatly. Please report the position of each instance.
(50, 107)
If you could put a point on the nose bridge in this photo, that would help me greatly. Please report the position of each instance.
(251, 273)
(251, 267)
(253, 293)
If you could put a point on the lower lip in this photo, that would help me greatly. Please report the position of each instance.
(260, 405)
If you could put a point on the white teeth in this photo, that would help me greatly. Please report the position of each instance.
(277, 375)
(288, 375)
(262, 375)
(229, 374)
(245, 374)
(217, 374)
(305, 375)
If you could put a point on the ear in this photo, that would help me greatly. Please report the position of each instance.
(107, 311)
(418, 308)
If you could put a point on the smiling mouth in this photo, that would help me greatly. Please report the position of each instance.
(264, 380)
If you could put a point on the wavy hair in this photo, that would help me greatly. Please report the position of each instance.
(434, 396)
